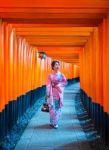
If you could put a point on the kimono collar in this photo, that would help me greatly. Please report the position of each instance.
(57, 72)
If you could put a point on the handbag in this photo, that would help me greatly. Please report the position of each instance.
(45, 107)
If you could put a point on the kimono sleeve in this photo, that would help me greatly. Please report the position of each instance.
(63, 80)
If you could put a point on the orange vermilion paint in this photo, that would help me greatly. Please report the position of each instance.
(21, 68)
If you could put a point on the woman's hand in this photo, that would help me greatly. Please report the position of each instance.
(58, 88)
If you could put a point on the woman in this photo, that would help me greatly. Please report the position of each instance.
(54, 89)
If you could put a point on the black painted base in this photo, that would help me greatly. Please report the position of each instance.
(99, 117)
(73, 80)
(16, 109)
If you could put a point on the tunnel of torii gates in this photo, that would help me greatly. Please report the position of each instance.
(74, 32)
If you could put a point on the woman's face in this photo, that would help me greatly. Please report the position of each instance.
(56, 66)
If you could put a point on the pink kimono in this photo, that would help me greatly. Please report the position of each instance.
(54, 89)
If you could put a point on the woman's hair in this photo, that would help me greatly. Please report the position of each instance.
(53, 63)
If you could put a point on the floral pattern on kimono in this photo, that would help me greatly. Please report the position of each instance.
(54, 89)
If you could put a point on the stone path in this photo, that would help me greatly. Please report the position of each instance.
(38, 135)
